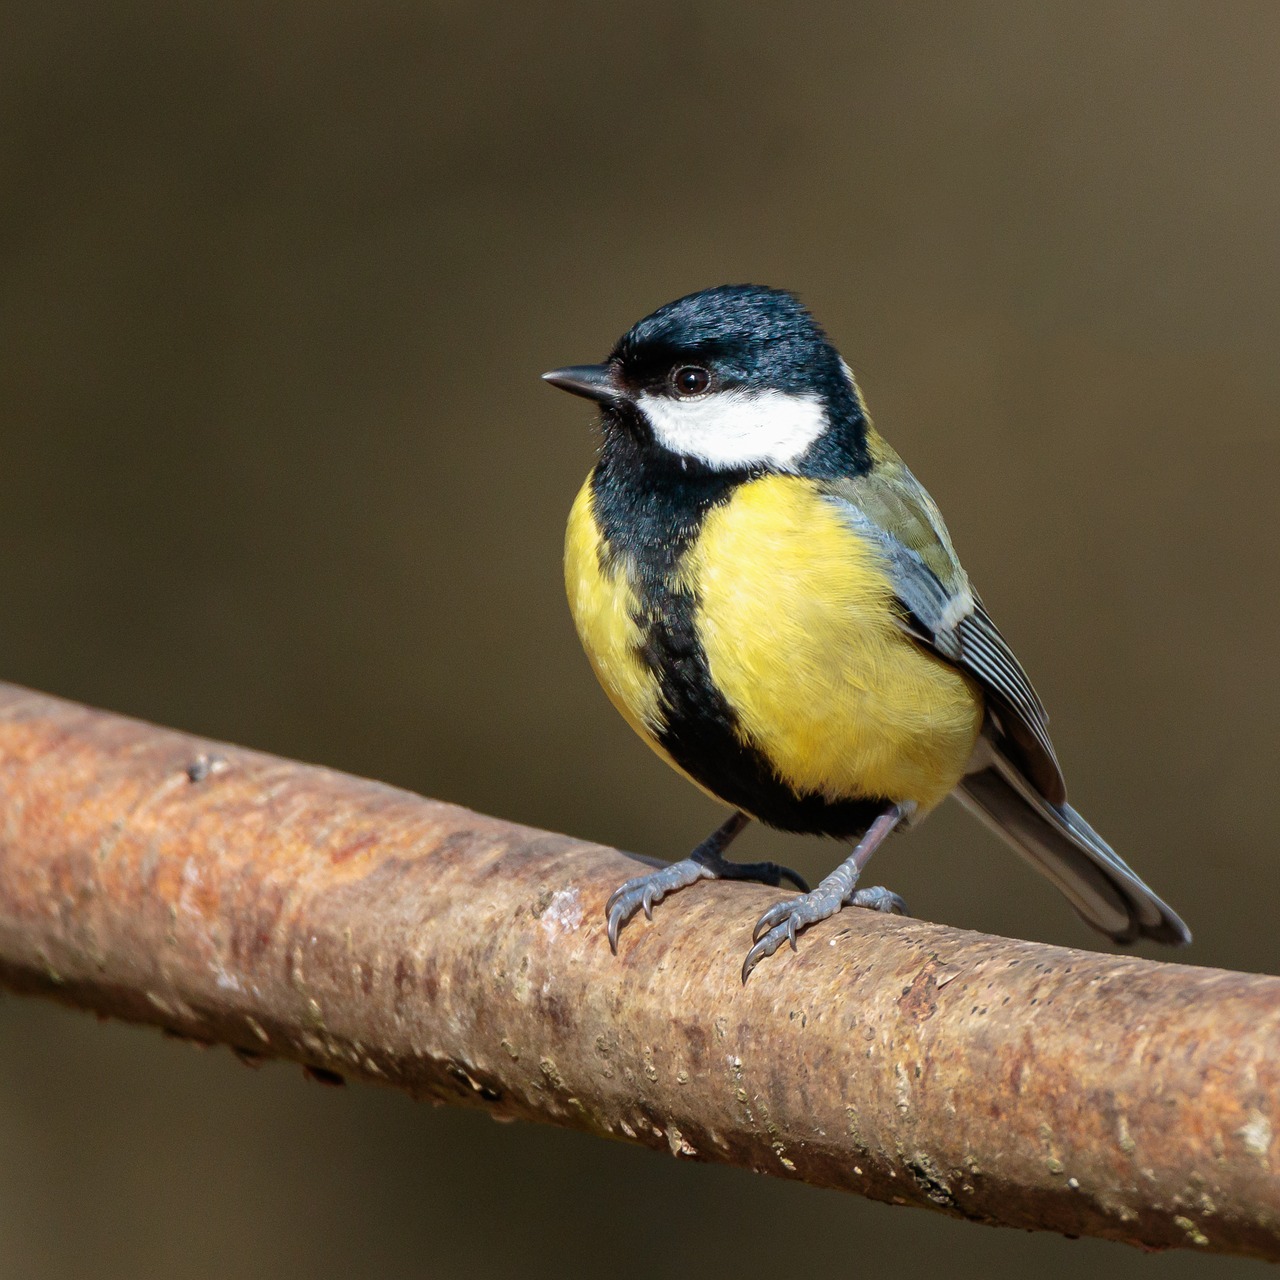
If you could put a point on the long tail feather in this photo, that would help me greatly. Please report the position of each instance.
(1058, 842)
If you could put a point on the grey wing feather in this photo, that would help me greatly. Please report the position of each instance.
(1023, 721)
(951, 620)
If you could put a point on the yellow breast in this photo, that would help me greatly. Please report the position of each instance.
(604, 610)
(796, 617)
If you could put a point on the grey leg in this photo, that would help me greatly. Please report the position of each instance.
(784, 920)
(706, 862)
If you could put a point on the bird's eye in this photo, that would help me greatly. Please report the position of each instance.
(690, 380)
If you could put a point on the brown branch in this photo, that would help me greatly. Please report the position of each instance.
(294, 912)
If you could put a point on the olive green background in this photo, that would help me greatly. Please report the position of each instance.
(276, 283)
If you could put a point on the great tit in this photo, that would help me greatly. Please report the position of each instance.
(772, 601)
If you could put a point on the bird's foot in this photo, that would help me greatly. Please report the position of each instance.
(784, 920)
(644, 891)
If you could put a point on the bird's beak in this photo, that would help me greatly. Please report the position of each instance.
(595, 381)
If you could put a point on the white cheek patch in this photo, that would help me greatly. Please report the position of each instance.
(737, 428)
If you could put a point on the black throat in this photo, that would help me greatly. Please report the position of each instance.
(650, 505)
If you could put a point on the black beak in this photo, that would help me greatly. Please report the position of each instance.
(595, 381)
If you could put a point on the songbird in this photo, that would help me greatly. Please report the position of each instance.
(772, 601)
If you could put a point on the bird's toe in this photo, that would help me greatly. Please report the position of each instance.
(644, 891)
(783, 922)
(878, 898)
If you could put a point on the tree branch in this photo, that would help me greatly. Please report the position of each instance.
(294, 912)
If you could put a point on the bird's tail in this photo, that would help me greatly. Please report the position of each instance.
(1058, 842)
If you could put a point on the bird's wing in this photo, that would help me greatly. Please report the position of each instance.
(890, 508)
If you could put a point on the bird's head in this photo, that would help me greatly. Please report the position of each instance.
(736, 378)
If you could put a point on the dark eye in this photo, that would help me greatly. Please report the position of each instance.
(690, 380)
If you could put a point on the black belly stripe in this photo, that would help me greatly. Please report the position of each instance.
(651, 521)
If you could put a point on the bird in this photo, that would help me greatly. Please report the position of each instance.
(773, 603)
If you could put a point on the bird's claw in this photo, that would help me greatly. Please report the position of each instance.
(644, 891)
(783, 921)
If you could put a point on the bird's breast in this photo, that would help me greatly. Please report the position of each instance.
(796, 615)
(757, 652)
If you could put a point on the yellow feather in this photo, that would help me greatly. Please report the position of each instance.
(604, 610)
(796, 617)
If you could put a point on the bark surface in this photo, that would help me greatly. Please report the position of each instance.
(294, 912)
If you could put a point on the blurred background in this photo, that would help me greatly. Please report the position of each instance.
(276, 284)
